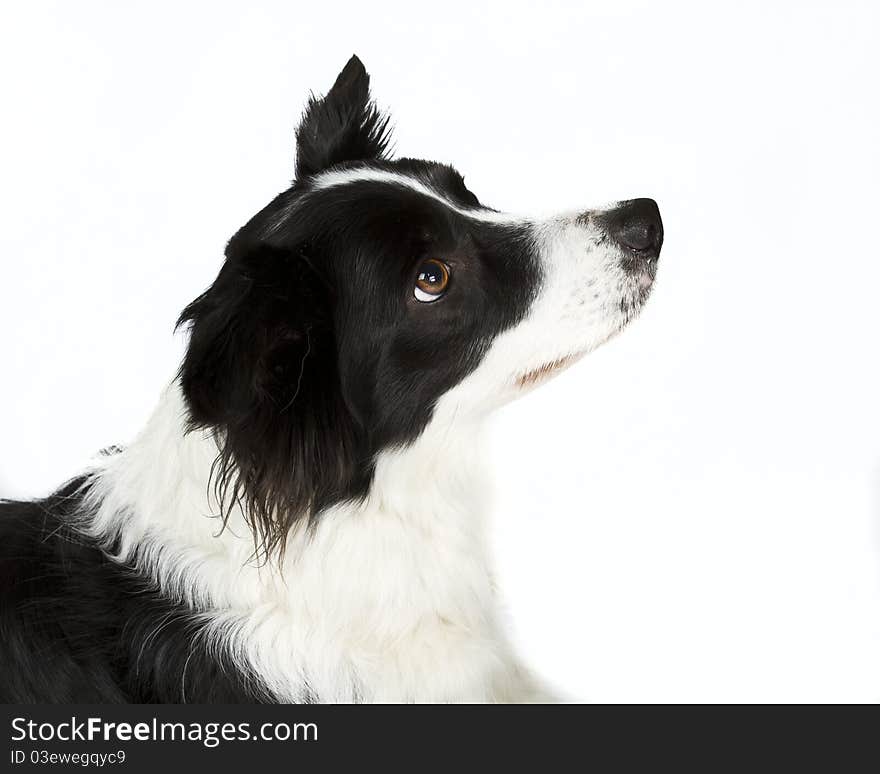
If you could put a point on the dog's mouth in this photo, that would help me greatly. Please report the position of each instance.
(546, 371)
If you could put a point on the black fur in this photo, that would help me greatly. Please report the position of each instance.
(308, 355)
(77, 627)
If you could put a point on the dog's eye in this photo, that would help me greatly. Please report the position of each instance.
(432, 281)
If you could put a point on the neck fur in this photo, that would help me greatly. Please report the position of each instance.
(408, 558)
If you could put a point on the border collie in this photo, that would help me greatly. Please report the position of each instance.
(303, 518)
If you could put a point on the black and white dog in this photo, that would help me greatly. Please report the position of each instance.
(303, 517)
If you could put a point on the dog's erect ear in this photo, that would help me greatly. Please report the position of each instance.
(261, 372)
(343, 126)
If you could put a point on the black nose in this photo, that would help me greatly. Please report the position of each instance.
(636, 225)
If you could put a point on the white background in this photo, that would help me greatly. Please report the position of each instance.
(693, 513)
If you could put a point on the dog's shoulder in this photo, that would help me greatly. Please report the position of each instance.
(80, 627)
(50, 605)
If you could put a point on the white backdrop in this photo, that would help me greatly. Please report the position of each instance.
(693, 513)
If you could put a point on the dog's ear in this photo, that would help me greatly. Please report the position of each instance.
(261, 372)
(343, 126)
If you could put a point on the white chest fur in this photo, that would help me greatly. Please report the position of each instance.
(389, 599)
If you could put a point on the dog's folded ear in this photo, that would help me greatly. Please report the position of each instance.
(260, 371)
(343, 126)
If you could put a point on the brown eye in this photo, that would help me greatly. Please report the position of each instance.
(431, 281)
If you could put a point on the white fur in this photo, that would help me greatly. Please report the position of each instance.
(391, 599)
(336, 178)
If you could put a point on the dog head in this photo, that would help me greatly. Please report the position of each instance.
(373, 290)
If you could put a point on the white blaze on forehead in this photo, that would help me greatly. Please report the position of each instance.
(336, 178)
